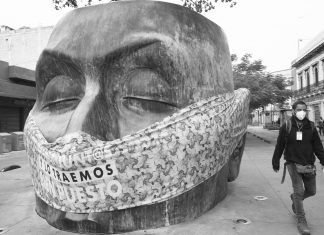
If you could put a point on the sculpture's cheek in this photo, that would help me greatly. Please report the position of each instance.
(234, 162)
(234, 169)
(51, 125)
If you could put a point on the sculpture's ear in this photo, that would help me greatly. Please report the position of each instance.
(234, 162)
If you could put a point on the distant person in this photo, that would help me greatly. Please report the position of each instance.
(299, 140)
(320, 126)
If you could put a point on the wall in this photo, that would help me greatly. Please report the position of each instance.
(22, 47)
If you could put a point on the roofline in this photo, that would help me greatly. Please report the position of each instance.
(16, 72)
(299, 61)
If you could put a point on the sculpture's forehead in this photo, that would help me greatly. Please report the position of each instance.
(98, 30)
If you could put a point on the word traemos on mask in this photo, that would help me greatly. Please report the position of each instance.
(79, 176)
(71, 192)
(79, 173)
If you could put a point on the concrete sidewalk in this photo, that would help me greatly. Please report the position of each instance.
(267, 217)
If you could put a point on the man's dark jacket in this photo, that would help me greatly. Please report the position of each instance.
(298, 151)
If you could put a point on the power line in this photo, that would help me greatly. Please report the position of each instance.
(280, 71)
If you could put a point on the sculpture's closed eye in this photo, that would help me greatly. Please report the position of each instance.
(146, 91)
(62, 94)
(141, 106)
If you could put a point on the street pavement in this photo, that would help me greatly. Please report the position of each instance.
(271, 216)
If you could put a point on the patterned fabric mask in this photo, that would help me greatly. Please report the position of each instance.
(79, 173)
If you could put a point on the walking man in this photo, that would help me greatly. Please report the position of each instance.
(299, 140)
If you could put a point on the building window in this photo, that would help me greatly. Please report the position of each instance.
(300, 78)
(315, 73)
(307, 80)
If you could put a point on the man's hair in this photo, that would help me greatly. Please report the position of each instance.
(297, 103)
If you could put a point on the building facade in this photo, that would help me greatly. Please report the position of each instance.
(19, 52)
(308, 73)
(17, 96)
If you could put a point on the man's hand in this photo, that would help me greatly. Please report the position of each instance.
(275, 168)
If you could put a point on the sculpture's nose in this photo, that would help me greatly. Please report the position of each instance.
(96, 113)
(79, 115)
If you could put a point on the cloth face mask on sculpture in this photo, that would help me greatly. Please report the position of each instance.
(81, 174)
(301, 115)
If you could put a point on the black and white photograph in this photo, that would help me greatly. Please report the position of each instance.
(169, 117)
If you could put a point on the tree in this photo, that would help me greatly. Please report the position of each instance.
(265, 87)
(196, 5)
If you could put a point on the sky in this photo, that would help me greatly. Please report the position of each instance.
(270, 30)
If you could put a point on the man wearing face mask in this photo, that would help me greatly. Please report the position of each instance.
(299, 140)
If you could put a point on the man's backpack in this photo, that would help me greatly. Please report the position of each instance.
(320, 124)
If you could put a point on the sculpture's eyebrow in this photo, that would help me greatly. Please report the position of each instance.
(52, 64)
(140, 45)
(127, 50)
(61, 60)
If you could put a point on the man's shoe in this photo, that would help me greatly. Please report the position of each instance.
(293, 205)
(302, 226)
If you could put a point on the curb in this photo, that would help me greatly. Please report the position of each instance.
(261, 138)
(12, 153)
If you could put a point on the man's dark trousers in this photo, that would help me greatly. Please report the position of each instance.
(304, 187)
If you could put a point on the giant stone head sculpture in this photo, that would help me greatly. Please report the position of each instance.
(112, 75)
